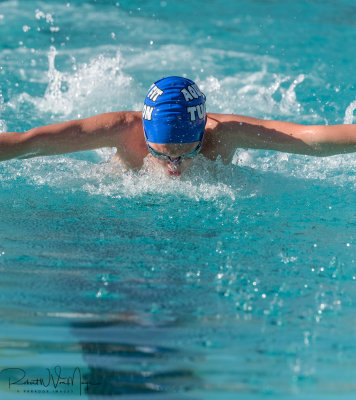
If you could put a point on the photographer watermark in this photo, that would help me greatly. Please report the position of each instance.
(52, 381)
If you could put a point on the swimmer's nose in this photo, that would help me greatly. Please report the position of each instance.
(173, 166)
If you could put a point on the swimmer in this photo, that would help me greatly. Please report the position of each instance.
(172, 129)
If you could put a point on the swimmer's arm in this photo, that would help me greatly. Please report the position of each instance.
(315, 140)
(67, 137)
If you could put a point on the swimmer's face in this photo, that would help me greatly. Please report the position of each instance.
(174, 158)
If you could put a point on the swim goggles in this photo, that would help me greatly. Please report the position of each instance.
(163, 156)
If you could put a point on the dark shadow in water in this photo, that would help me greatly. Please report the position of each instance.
(131, 365)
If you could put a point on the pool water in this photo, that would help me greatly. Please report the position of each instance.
(233, 282)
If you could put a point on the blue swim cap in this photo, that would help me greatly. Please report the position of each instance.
(174, 111)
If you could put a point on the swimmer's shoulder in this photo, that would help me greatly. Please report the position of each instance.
(212, 122)
(214, 144)
(216, 126)
(217, 121)
(226, 132)
(120, 125)
(117, 120)
(127, 129)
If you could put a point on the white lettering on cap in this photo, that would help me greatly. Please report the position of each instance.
(147, 112)
(154, 93)
(191, 92)
(199, 109)
(187, 95)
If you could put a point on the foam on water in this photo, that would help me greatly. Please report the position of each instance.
(99, 86)
(336, 170)
(250, 174)
(256, 94)
(210, 181)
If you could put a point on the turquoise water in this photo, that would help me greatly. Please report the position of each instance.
(234, 282)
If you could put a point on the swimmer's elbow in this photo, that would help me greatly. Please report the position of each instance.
(32, 144)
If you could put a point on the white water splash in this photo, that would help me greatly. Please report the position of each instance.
(251, 173)
(206, 180)
(349, 113)
(260, 93)
(337, 170)
(99, 86)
